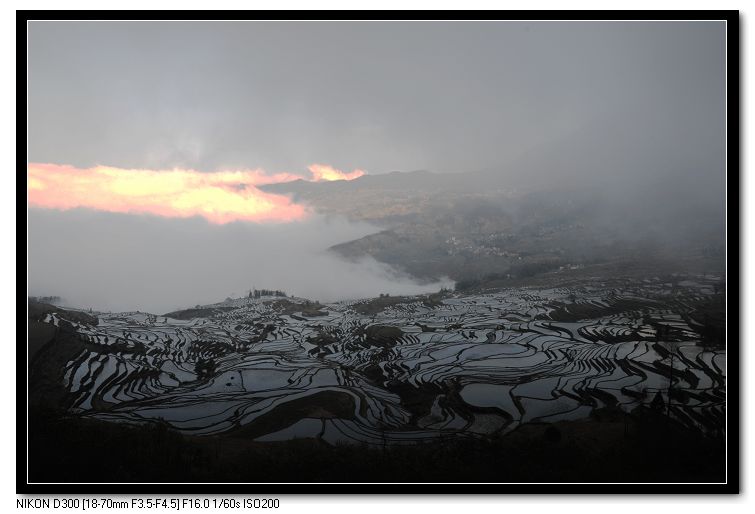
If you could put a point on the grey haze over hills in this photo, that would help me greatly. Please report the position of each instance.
(549, 144)
(469, 226)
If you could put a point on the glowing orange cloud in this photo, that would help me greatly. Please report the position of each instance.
(220, 197)
(323, 172)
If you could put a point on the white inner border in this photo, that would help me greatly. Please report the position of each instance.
(567, 504)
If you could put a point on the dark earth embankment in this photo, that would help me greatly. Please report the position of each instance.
(643, 447)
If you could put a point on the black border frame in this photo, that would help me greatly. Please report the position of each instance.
(733, 260)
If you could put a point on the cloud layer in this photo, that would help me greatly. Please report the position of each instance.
(119, 262)
(445, 96)
(323, 172)
(219, 197)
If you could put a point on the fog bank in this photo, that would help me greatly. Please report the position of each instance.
(126, 262)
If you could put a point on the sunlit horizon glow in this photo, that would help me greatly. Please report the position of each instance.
(323, 172)
(219, 197)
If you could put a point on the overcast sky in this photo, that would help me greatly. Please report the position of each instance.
(380, 96)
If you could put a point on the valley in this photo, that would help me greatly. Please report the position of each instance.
(401, 370)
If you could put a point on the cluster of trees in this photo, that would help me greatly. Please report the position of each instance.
(523, 270)
(204, 368)
(713, 332)
(258, 293)
(470, 283)
(52, 300)
(713, 250)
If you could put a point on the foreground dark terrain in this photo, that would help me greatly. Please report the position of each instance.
(610, 446)
(587, 379)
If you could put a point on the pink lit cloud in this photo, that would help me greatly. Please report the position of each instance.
(323, 172)
(220, 197)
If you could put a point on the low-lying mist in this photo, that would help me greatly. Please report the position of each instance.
(122, 262)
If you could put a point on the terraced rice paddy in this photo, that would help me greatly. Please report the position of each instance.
(466, 366)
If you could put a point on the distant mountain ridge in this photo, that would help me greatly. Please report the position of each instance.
(467, 226)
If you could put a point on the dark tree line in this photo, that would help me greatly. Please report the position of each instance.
(258, 293)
